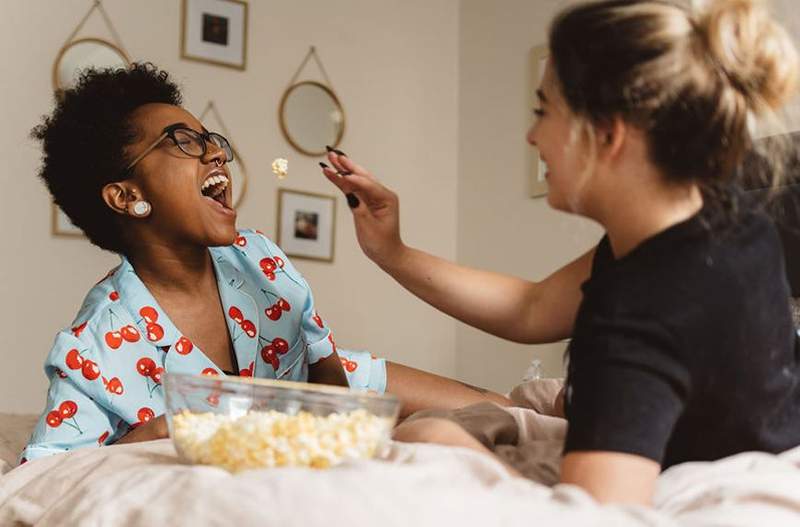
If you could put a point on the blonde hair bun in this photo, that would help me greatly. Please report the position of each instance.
(754, 52)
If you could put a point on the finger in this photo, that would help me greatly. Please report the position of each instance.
(369, 190)
(342, 183)
(334, 159)
(344, 164)
(350, 166)
(335, 178)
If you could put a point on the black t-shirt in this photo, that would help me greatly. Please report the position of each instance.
(684, 349)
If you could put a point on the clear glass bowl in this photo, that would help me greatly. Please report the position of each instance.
(241, 423)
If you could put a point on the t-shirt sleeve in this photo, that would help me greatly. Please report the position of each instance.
(626, 389)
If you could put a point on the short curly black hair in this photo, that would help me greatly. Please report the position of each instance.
(84, 142)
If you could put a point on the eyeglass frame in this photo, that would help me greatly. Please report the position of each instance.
(170, 130)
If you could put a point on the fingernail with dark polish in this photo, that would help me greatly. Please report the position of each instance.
(339, 152)
(329, 149)
(352, 200)
(323, 165)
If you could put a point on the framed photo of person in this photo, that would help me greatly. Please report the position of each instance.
(538, 183)
(215, 32)
(306, 224)
(62, 226)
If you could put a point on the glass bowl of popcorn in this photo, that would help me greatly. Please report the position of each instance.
(241, 423)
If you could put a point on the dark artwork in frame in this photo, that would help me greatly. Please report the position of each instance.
(215, 29)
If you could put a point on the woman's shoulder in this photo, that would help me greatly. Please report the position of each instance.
(97, 304)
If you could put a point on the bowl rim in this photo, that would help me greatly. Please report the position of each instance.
(289, 385)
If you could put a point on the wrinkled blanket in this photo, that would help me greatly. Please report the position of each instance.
(420, 485)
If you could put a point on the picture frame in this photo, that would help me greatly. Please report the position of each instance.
(61, 226)
(306, 224)
(537, 62)
(215, 32)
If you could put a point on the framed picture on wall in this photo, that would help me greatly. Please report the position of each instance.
(306, 224)
(215, 32)
(61, 226)
(538, 183)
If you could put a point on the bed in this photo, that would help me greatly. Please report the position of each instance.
(421, 485)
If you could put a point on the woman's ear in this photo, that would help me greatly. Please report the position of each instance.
(119, 196)
(611, 138)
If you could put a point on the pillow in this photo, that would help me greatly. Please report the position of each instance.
(15, 430)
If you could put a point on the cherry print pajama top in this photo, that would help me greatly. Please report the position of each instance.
(105, 371)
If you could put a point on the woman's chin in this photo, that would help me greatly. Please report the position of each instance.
(223, 237)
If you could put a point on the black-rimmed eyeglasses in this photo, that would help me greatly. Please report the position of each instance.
(191, 142)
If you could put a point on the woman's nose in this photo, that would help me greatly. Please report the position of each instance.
(531, 137)
(214, 154)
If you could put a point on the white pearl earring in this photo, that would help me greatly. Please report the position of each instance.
(141, 208)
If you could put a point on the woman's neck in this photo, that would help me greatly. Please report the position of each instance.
(647, 211)
(170, 269)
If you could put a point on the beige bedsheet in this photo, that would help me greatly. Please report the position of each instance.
(14, 433)
(414, 485)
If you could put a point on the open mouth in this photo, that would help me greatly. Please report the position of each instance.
(215, 188)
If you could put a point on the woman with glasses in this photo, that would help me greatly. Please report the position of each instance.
(143, 178)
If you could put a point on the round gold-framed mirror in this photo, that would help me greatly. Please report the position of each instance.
(311, 117)
(85, 53)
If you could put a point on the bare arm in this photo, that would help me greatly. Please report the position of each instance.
(420, 390)
(328, 371)
(509, 307)
(505, 306)
(612, 477)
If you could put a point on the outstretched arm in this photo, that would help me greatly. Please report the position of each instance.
(506, 306)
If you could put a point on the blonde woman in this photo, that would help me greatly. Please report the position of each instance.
(682, 341)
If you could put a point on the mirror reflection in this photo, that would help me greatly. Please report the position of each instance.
(311, 117)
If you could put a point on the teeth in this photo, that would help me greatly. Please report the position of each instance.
(215, 180)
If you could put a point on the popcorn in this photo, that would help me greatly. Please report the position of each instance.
(274, 439)
(280, 167)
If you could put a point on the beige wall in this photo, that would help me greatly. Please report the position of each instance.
(499, 226)
(394, 65)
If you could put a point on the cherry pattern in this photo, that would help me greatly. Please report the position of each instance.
(113, 386)
(66, 410)
(77, 330)
(270, 353)
(146, 367)
(270, 266)
(275, 311)
(247, 326)
(145, 414)
(184, 346)
(74, 359)
(248, 372)
(102, 439)
(270, 357)
(348, 365)
(115, 337)
(318, 320)
(210, 372)
(154, 330)
(90, 370)
(241, 241)
(113, 296)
